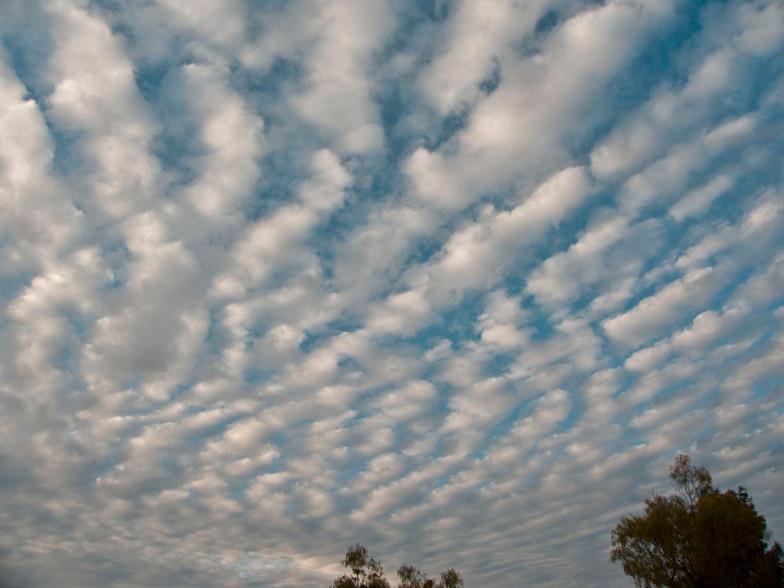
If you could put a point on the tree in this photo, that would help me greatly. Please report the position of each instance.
(698, 538)
(367, 572)
(451, 579)
(410, 577)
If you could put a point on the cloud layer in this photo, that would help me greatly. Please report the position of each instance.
(454, 280)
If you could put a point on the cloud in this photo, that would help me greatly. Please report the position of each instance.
(94, 93)
(475, 38)
(275, 279)
(232, 136)
(338, 92)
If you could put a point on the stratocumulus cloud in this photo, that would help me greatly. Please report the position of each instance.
(454, 280)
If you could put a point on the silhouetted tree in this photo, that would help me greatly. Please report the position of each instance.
(698, 538)
(410, 577)
(367, 572)
(451, 579)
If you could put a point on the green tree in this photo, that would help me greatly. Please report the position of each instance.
(698, 538)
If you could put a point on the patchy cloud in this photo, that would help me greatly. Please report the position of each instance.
(455, 280)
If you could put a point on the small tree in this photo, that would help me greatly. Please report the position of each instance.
(700, 537)
(367, 572)
(410, 577)
(451, 579)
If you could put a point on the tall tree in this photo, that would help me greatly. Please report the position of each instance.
(698, 538)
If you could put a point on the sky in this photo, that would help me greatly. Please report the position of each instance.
(455, 280)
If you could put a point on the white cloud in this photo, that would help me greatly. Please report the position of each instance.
(479, 252)
(699, 199)
(654, 313)
(675, 111)
(94, 92)
(37, 212)
(477, 34)
(232, 136)
(275, 279)
(338, 96)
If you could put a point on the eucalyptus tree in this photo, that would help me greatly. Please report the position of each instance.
(364, 571)
(699, 537)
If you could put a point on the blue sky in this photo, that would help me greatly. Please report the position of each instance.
(456, 280)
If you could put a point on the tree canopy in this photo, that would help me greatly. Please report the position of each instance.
(699, 537)
(367, 572)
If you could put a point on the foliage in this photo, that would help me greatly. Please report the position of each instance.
(451, 579)
(367, 572)
(410, 577)
(700, 537)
